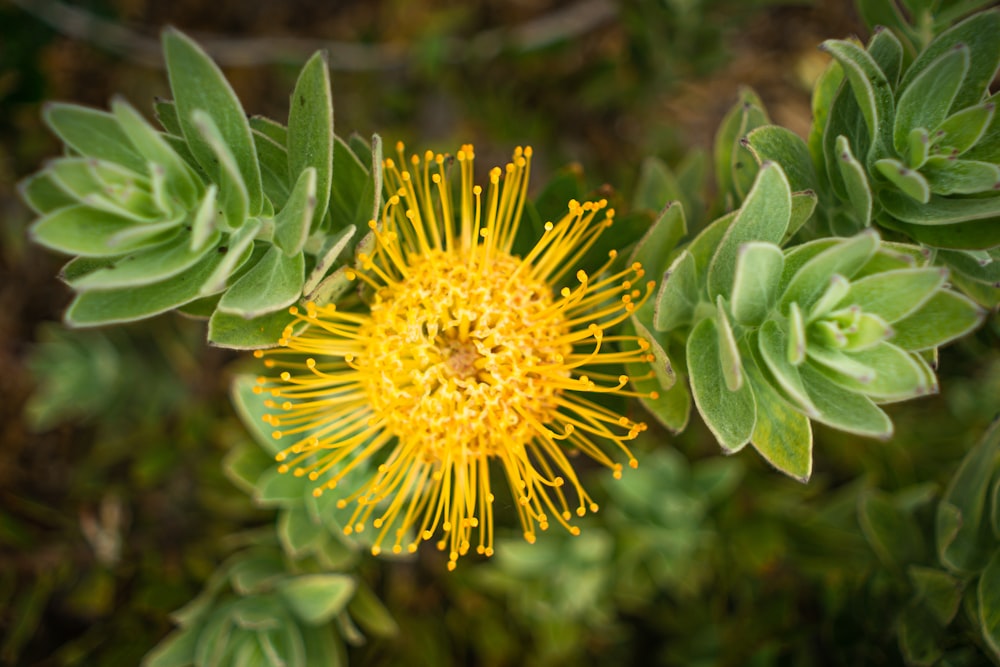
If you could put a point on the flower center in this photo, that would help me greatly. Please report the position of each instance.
(454, 355)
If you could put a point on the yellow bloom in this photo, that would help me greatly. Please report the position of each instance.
(466, 354)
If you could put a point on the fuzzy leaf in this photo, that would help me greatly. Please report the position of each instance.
(94, 134)
(310, 131)
(273, 283)
(803, 206)
(291, 224)
(332, 249)
(772, 143)
(678, 295)
(733, 162)
(892, 533)
(843, 409)
(175, 650)
(316, 598)
(233, 192)
(965, 129)
(79, 230)
(655, 247)
(896, 375)
(41, 192)
(729, 415)
(978, 33)
(989, 604)
(148, 266)
(239, 333)
(887, 51)
(855, 180)
(234, 255)
(764, 216)
(871, 90)
(781, 434)
(180, 180)
(729, 354)
(938, 591)
(348, 198)
(928, 97)
(945, 176)
(773, 344)
(942, 318)
(198, 84)
(893, 295)
(671, 407)
(135, 303)
(911, 182)
(758, 271)
(273, 159)
(964, 536)
(845, 257)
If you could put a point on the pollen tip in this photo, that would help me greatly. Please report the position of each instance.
(452, 565)
(317, 492)
(258, 354)
(376, 550)
(654, 395)
(574, 530)
(633, 463)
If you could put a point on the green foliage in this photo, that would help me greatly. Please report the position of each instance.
(214, 206)
(822, 331)
(950, 569)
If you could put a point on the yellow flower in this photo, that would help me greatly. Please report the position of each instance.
(467, 355)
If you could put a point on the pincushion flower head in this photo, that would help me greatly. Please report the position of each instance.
(459, 358)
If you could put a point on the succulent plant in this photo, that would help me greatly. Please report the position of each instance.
(217, 215)
(774, 338)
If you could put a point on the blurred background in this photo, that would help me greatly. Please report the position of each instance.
(114, 508)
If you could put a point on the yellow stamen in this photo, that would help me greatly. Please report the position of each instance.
(468, 354)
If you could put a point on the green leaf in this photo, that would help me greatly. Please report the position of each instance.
(94, 134)
(989, 603)
(871, 90)
(80, 230)
(733, 161)
(887, 51)
(803, 205)
(251, 408)
(135, 303)
(350, 184)
(310, 130)
(298, 533)
(946, 176)
(772, 143)
(234, 255)
(180, 179)
(671, 407)
(796, 350)
(977, 33)
(972, 235)
(938, 591)
(656, 185)
(332, 249)
(244, 464)
(729, 415)
(877, 13)
(256, 572)
(233, 192)
(145, 267)
(825, 92)
(773, 345)
(758, 271)
(764, 216)
(928, 97)
(781, 435)
(892, 533)
(43, 194)
(964, 131)
(911, 182)
(918, 147)
(843, 409)
(239, 333)
(271, 129)
(175, 650)
(678, 295)
(845, 257)
(897, 375)
(965, 539)
(892, 295)
(855, 180)
(979, 266)
(660, 363)
(273, 283)
(273, 169)
(729, 354)
(656, 245)
(276, 489)
(166, 114)
(316, 598)
(942, 318)
(291, 224)
(371, 614)
(198, 84)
